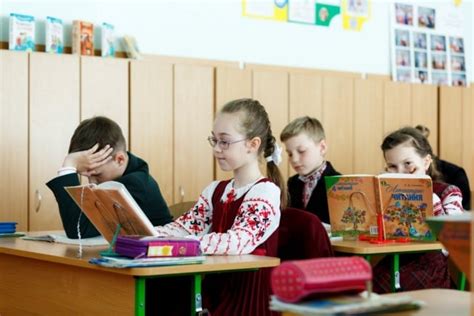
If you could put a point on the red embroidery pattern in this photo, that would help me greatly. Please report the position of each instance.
(198, 219)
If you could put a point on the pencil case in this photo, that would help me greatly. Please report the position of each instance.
(7, 227)
(135, 246)
(295, 280)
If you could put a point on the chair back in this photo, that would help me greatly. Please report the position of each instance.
(302, 236)
(179, 209)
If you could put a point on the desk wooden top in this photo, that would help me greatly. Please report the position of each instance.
(366, 248)
(67, 254)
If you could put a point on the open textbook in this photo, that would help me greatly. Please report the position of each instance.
(108, 206)
(386, 205)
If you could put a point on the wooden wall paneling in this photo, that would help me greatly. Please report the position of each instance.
(54, 114)
(231, 84)
(468, 135)
(306, 98)
(368, 126)
(193, 116)
(151, 119)
(271, 89)
(397, 106)
(338, 103)
(450, 124)
(14, 138)
(104, 90)
(424, 110)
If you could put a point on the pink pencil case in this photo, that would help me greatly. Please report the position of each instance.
(295, 280)
(147, 246)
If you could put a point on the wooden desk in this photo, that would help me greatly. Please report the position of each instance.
(48, 279)
(440, 302)
(367, 249)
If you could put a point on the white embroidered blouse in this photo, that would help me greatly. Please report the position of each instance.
(257, 218)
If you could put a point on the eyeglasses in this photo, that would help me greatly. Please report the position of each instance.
(223, 144)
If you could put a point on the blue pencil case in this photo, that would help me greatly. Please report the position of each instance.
(7, 227)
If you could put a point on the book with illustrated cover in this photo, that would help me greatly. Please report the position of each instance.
(54, 35)
(108, 40)
(394, 205)
(131, 47)
(109, 204)
(22, 32)
(82, 38)
(120, 262)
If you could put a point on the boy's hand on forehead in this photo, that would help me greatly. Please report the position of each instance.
(87, 161)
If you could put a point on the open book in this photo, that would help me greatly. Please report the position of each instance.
(387, 205)
(61, 238)
(108, 205)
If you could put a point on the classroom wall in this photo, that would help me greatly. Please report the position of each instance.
(215, 29)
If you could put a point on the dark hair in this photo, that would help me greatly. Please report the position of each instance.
(412, 137)
(423, 130)
(97, 130)
(255, 123)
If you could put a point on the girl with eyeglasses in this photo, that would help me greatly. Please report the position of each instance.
(240, 215)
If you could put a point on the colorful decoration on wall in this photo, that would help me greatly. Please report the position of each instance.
(355, 13)
(266, 9)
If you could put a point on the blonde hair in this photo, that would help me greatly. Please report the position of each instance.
(305, 124)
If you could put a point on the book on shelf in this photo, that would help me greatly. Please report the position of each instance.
(61, 238)
(22, 32)
(109, 205)
(108, 40)
(390, 205)
(82, 38)
(131, 47)
(54, 35)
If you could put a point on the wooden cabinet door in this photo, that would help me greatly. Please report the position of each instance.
(193, 116)
(14, 138)
(368, 126)
(271, 89)
(338, 107)
(306, 99)
(424, 110)
(104, 90)
(54, 114)
(451, 124)
(397, 106)
(151, 123)
(231, 84)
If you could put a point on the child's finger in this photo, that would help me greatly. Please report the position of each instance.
(93, 149)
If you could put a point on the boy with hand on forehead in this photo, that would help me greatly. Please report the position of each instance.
(306, 147)
(98, 151)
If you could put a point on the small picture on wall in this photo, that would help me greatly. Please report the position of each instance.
(404, 14)
(403, 75)
(438, 43)
(457, 63)
(458, 80)
(426, 17)
(402, 38)
(419, 40)
(403, 58)
(421, 76)
(439, 78)
(456, 44)
(438, 61)
(421, 60)
(358, 8)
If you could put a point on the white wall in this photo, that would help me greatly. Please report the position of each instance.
(215, 29)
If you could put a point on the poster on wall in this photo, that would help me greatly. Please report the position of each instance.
(266, 9)
(428, 45)
(355, 13)
(313, 12)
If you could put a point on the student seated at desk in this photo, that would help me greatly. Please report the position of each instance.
(98, 151)
(451, 173)
(306, 146)
(241, 215)
(408, 151)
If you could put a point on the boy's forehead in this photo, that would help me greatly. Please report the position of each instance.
(302, 138)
